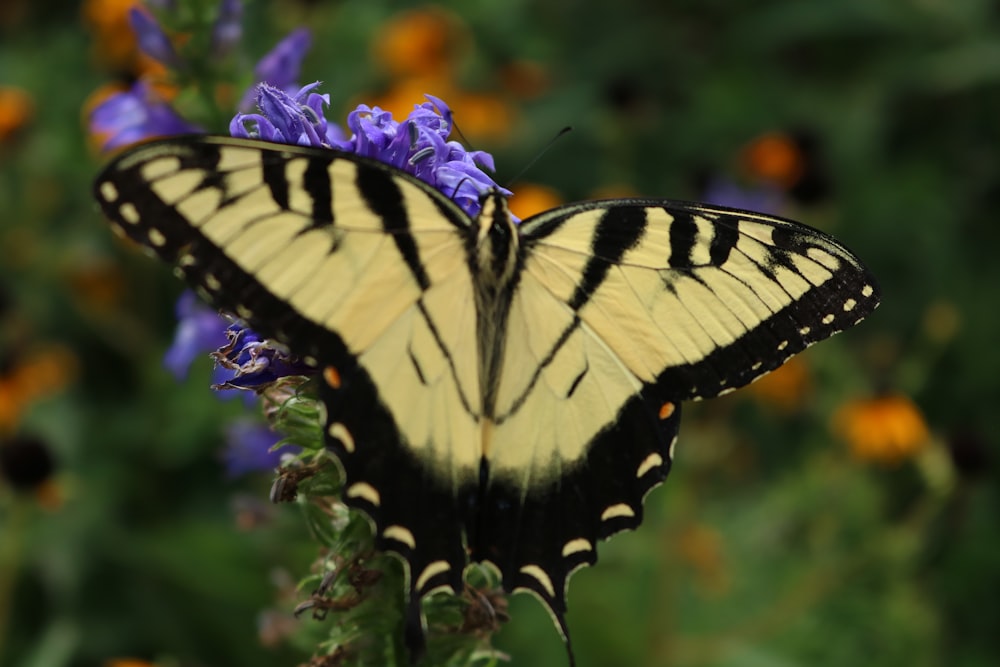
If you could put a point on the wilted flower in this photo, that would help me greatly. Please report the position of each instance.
(255, 361)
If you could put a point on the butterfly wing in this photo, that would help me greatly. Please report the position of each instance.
(364, 270)
(624, 309)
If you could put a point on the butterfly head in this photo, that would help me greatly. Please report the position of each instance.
(496, 240)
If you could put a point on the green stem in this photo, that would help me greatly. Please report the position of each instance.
(10, 557)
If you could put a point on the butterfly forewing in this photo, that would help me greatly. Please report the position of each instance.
(699, 300)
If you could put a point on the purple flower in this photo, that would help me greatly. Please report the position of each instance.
(228, 28)
(255, 361)
(288, 119)
(280, 66)
(418, 145)
(152, 40)
(250, 448)
(723, 192)
(200, 330)
(135, 115)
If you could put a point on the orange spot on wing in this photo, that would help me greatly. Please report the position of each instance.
(332, 376)
(666, 410)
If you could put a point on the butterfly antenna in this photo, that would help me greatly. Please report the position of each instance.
(461, 135)
(531, 163)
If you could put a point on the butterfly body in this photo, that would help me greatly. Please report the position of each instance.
(496, 392)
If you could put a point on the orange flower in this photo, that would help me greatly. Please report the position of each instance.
(421, 50)
(525, 78)
(784, 388)
(97, 283)
(482, 115)
(114, 40)
(887, 429)
(530, 199)
(424, 42)
(701, 547)
(400, 98)
(774, 158)
(39, 374)
(16, 107)
(478, 116)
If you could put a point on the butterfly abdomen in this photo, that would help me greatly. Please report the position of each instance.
(495, 261)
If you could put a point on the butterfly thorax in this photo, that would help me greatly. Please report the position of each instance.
(494, 259)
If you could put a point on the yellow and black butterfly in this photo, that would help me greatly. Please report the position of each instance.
(496, 392)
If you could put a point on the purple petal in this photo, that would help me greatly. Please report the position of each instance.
(228, 28)
(152, 40)
(135, 115)
(249, 448)
(200, 331)
(280, 67)
(419, 145)
(724, 192)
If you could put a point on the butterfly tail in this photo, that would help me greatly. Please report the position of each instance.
(414, 634)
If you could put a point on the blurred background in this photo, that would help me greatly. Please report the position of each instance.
(844, 510)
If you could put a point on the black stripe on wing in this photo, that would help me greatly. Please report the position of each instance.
(702, 239)
(840, 302)
(538, 538)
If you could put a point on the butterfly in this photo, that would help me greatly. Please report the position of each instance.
(495, 392)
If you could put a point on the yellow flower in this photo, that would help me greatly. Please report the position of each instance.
(530, 199)
(886, 429)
